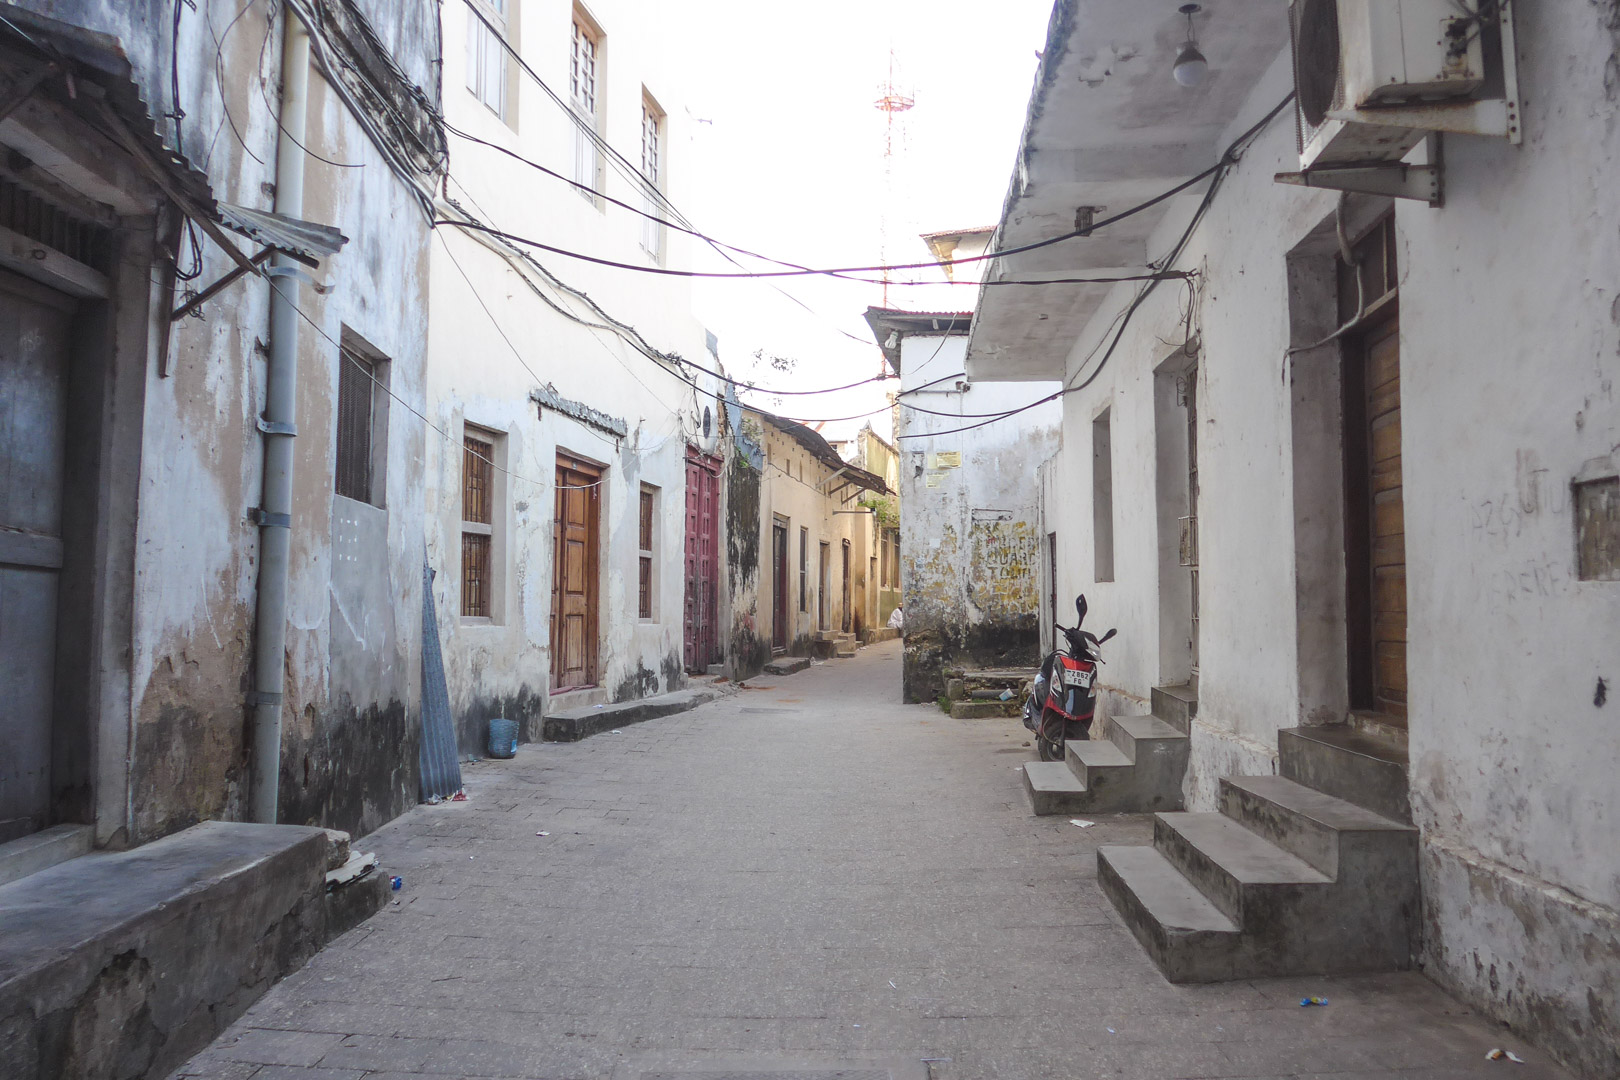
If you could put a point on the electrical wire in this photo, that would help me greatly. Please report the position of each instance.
(1218, 172)
(365, 368)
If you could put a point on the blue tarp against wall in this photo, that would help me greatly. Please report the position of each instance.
(441, 769)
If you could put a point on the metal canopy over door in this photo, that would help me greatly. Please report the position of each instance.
(34, 333)
(574, 574)
(702, 557)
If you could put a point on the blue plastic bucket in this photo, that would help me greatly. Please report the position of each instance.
(503, 736)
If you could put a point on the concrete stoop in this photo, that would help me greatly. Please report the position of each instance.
(576, 724)
(1284, 880)
(833, 645)
(787, 665)
(1136, 767)
(126, 963)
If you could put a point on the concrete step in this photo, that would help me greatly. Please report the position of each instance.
(843, 650)
(43, 850)
(1094, 762)
(1129, 732)
(1176, 706)
(576, 724)
(787, 665)
(1335, 836)
(1239, 871)
(1189, 938)
(1350, 764)
(1053, 789)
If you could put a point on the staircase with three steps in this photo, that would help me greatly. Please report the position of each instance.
(1135, 766)
(1311, 871)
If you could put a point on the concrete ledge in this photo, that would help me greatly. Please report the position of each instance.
(886, 633)
(577, 724)
(127, 963)
(788, 665)
(980, 710)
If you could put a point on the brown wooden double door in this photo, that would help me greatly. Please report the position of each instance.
(576, 533)
(1375, 541)
(702, 560)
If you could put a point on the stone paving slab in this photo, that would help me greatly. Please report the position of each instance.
(803, 872)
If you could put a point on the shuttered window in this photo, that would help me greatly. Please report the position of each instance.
(648, 507)
(354, 427)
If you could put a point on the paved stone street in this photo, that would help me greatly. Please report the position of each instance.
(802, 875)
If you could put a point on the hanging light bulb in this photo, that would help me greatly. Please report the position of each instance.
(1190, 67)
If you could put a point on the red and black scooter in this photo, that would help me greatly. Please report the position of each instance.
(1064, 698)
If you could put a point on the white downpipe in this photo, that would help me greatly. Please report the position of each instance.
(280, 417)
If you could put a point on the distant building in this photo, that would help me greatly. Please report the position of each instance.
(972, 542)
(574, 511)
(800, 545)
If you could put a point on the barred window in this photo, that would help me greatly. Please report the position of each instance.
(478, 519)
(583, 65)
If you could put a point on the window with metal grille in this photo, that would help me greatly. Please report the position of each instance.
(356, 400)
(584, 62)
(652, 173)
(648, 509)
(487, 72)
(477, 527)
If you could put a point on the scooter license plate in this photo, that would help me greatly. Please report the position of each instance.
(1081, 679)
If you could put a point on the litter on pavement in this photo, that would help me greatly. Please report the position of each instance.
(1499, 1055)
(397, 883)
(1081, 822)
(1307, 1002)
(542, 834)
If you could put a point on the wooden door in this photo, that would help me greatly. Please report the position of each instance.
(702, 555)
(574, 585)
(33, 446)
(823, 582)
(846, 593)
(779, 585)
(1376, 523)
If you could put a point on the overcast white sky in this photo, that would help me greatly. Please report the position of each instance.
(790, 164)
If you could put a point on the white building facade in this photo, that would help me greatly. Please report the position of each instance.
(1352, 464)
(572, 435)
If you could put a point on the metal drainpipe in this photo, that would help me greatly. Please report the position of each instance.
(278, 426)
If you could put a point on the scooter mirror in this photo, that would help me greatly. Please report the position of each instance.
(1080, 610)
(1111, 632)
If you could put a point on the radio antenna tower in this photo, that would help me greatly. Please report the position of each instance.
(891, 102)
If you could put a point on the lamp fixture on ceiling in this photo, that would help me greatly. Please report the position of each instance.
(1190, 67)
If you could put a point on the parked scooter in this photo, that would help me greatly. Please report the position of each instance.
(1064, 698)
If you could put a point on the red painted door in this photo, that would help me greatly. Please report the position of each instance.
(702, 559)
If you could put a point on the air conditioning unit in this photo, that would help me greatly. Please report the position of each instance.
(1372, 77)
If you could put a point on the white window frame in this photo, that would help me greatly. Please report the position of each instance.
(489, 68)
(585, 99)
(654, 165)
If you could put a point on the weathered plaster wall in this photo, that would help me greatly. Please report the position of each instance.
(349, 755)
(485, 363)
(747, 640)
(1509, 359)
(970, 532)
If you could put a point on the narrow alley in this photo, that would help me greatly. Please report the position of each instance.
(798, 878)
